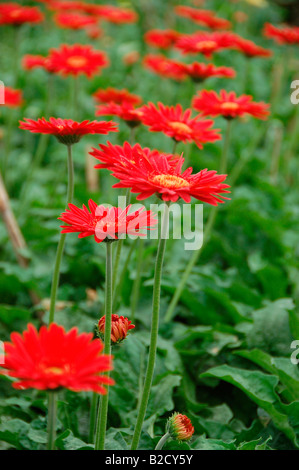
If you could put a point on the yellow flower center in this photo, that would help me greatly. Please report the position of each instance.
(77, 61)
(206, 45)
(16, 13)
(180, 127)
(229, 106)
(55, 370)
(170, 181)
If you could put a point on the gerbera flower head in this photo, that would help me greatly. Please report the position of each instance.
(120, 328)
(15, 14)
(205, 43)
(66, 131)
(74, 20)
(200, 71)
(180, 427)
(104, 223)
(163, 175)
(167, 68)
(161, 38)
(250, 49)
(116, 96)
(77, 59)
(125, 111)
(52, 359)
(114, 157)
(178, 124)
(204, 17)
(114, 14)
(228, 105)
(283, 34)
(12, 98)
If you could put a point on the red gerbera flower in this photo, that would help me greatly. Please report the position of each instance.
(15, 14)
(203, 17)
(11, 98)
(160, 38)
(228, 105)
(77, 59)
(205, 43)
(178, 124)
(282, 35)
(116, 96)
(180, 427)
(51, 359)
(250, 49)
(125, 111)
(159, 175)
(67, 131)
(201, 71)
(113, 157)
(119, 328)
(106, 224)
(113, 14)
(30, 62)
(167, 68)
(74, 20)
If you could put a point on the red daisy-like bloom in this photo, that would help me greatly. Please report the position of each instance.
(74, 20)
(10, 97)
(51, 359)
(282, 35)
(104, 223)
(205, 43)
(167, 68)
(200, 71)
(250, 49)
(77, 59)
(30, 62)
(15, 14)
(119, 328)
(178, 124)
(159, 175)
(180, 427)
(125, 111)
(114, 157)
(67, 132)
(161, 38)
(116, 96)
(112, 14)
(228, 105)
(203, 17)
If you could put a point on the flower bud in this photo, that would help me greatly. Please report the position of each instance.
(120, 327)
(180, 427)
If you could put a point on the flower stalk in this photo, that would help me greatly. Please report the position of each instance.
(60, 248)
(154, 330)
(52, 415)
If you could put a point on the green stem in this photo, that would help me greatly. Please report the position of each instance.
(174, 147)
(119, 244)
(162, 441)
(103, 409)
(118, 289)
(154, 330)
(60, 248)
(52, 414)
(93, 414)
(210, 223)
(137, 280)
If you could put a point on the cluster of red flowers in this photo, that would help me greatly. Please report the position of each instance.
(156, 173)
(16, 14)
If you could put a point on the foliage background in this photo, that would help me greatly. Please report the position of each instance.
(224, 360)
